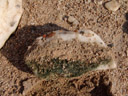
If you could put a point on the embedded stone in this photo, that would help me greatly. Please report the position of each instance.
(112, 5)
(68, 54)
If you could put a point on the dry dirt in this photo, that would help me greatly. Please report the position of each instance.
(42, 16)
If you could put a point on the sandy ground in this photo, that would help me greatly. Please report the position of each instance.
(42, 16)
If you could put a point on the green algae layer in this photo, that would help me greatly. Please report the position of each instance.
(63, 68)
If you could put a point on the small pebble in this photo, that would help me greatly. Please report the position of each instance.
(100, 2)
(60, 16)
(112, 5)
(87, 1)
(78, 1)
(72, 20)
(127, 52)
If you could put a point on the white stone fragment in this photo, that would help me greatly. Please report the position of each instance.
(10, 14)
(91, 37)
(82, 35)
(87, 36)
(112, 5)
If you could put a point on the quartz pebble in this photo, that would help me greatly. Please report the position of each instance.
(112, 5)
(10, 14)
(72, 20)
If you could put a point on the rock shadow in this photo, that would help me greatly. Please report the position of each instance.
(125, 25)
(18, 43)
(102, 89)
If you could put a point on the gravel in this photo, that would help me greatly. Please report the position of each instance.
(112, 5)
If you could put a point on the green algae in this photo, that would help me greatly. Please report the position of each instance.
(63, 68)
